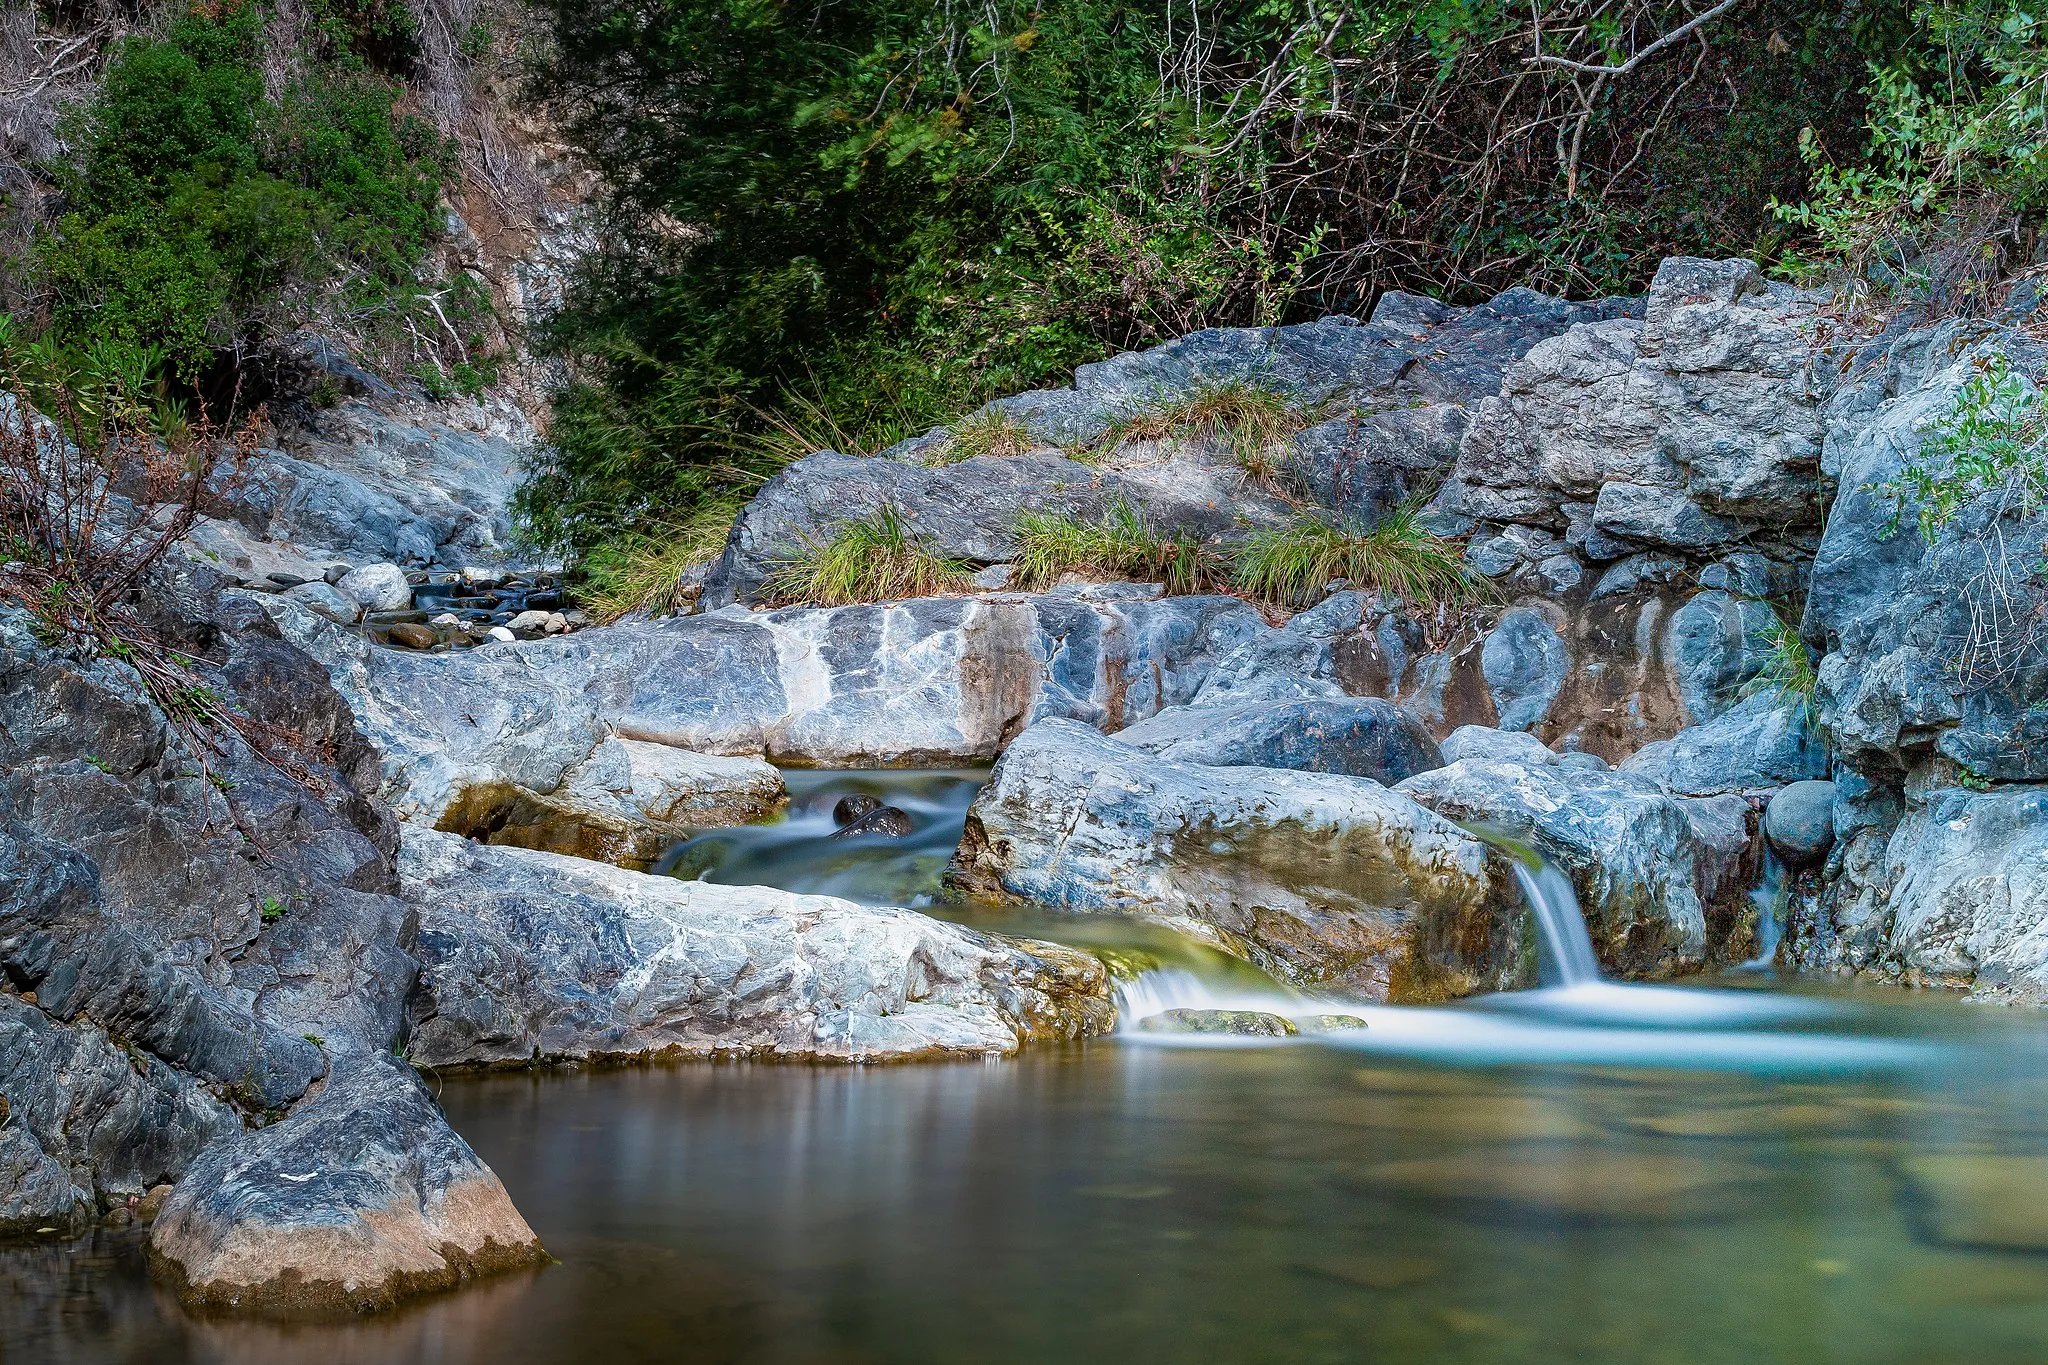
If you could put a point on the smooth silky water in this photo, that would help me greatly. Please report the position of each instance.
(1732, 1172)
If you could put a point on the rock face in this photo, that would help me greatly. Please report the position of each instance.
(362, 1197)
(1761, 744)
(1652, 872)
(1332, 882)
(535, 956)
(1357, 736)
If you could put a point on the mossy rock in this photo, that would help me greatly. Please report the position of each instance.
(1244, 1023)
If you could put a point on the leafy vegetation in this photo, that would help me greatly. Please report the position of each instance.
(1788, 672)
(1289, 565)
(877, 558)
(1994, 439)
(1118, 544)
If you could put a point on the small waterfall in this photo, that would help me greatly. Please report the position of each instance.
(1772, 895)
(1159, 989)
(1563, 947)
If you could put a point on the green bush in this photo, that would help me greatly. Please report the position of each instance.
(202, 216)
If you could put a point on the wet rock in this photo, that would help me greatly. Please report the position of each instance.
(1331, 1023)
(1800, 822)
(412, 635)
(1646, 865)
(1980, 1201)
(884, 822)
(151, 1203)
(1329, 881)
(531, 955)
(853, 808)
(1359, 736)
(1240, 1023)
(1525, 663)
(362, 1197)
(377, 587)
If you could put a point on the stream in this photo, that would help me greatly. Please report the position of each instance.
(1728, 1171)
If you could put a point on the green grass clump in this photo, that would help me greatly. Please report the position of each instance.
(872, 559)
(1288, 565)
(1249, 418)
(643, 570)
(1788, 670)
(984, 432)
(1120, 544)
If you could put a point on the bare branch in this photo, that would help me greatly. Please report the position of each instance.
(1642, 54)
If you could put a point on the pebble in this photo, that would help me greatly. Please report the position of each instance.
(535, 621)
(446, 619)
(412, 636)
(500, 633)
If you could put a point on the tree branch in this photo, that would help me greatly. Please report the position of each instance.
(1676, 35)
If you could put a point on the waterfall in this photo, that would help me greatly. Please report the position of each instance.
(1564, 949)
(1770, 898)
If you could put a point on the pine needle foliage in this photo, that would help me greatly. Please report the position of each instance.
(1118, 544)
(1288, 565)
(877, 558)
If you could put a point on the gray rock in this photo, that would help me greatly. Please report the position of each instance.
(1525, 663)
(360, 1198)
(1762, 743)
(1497, 746)
(1238, 1023)
(377, 587)
(1357, 736)
(1800, 822)
(1969, 898)
(532, 955)
(1329, 881)
(1313, 656)
(1717, 643)
(1661, 516)
(1646, 865)
(1638, 573)
(329, 601)
(1364, 465)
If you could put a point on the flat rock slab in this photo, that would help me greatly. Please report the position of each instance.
(532, 955)
(1333, 882)
(362, 1197)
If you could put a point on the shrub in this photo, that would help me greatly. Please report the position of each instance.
(1289, 565)
(1788, 672)
(1994, 439)
(643, 570)
(1250, 418)
(871, 559)
(1119, 544)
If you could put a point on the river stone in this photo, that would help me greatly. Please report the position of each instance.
(1800, 822)
(412, 635)
(377, 587)
(1485, 742)
(1645, 864)
(883, 822)
(1242, 1023)
(529, 955)
(362, 1197)
(853, 808)
(1358, 736)
(1329, 881)
(329, 601)
(1525, 664)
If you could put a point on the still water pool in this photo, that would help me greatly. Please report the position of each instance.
(1720, 1173)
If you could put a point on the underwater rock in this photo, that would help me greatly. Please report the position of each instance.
(529, 955)
(1333, 882)
(1242, 1023)
(362, 1197)
(1356, 736)
(885, 822)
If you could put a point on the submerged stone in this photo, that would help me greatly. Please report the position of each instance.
(1243, 1023)
(1968, 1199)
(1331, 1023)
(885, 822)
(853, 808)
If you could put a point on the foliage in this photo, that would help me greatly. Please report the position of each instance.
(204, 216)
(1788, 670)
(902, 210)
(868, 559)
(985, 431)
(1289, 565)
(1248, 417)
(1119, 543)
(1953, 175)
(643, 570)
(1993, 440)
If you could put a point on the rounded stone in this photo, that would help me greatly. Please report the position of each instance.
(885, 821)
(378, 587)
(1243, 1023)
(412, 636)
(857, 806)
(1800, 822)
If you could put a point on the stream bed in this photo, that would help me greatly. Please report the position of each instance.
(1728, 1171)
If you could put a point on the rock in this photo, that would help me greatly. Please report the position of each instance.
(151, 1203)
(1359, 736)
(412, 636)
(1800, 822)
(1763, 743)
(995, 577)
(1329, 881)
(1501, 746)
(1330, 1023)
(885, 822)
(1646, 865)
(1718, 643)
(501, 634)
(329, 601)
(1638, 573)
(556, 623)
(1525, 664)
(363, 1197)
(1241, 1023)
(1364, 465)
(377, 587)
(853, 808)
(533, 622)
(447, 620)
(1312, 656)
(531, 955)
(1968, 901)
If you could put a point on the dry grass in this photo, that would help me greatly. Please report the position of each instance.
(643, 571)
(986, 431)
(1252, 420)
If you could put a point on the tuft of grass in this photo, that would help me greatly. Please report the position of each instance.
(1288, 565)
(802, 424)
(986, 431)
(1788, 670)
(871, 559)
(643, 570)
(1248, 417)
(1118, 545)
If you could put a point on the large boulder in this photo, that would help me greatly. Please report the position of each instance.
(1762, 743)
(1648, 867)
(362, 1197)
(1332, 882)
(1968, 893)
(533, 956)
(1356, 736)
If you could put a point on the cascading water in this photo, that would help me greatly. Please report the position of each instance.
(1771, 896)
(1564, 949)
